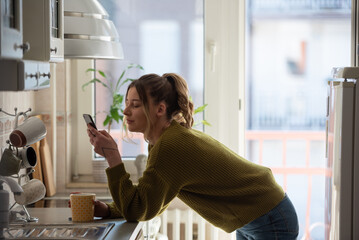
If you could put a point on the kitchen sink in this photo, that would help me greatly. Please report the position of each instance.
(58, 231)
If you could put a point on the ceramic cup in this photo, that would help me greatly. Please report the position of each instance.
(28, 157)
(33, 191)
(29, 132)
(10, 163)
(82, 206)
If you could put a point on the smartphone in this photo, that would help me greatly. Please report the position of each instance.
(89, 120)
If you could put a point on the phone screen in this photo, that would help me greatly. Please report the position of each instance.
(89, 120)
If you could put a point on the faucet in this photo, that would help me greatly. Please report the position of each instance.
(4, 200)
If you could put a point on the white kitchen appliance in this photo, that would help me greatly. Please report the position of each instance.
(342, 188)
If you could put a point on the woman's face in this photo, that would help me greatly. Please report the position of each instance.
(134, 112)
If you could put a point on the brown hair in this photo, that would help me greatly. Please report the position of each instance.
(170, 88)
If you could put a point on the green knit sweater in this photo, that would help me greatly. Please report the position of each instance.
(224, 188)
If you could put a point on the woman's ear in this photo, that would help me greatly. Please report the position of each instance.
(161, 109)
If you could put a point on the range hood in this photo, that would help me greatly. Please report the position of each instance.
(88, 32)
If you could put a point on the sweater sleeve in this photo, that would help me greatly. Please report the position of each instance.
(148, 199)
(114, 212)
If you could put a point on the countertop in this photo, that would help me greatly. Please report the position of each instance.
(122, 229)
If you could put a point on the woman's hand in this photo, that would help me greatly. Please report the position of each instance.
(104, 145)
(101, 209)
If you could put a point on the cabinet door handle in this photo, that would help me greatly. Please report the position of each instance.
(45, 75)
(35, 75)
(53, 50)
(25, 47)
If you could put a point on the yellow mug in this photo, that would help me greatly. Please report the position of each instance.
(82, 206)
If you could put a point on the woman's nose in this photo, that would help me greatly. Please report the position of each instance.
(126, 112)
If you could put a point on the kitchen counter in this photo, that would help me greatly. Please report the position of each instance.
(122, 230)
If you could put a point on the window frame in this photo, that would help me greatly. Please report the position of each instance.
(83, 102)
(224, 26)
(225, 72)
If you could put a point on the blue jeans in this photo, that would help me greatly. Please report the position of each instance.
(280, 223)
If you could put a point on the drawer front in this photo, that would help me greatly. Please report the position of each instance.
(29, 71)
(44, 75)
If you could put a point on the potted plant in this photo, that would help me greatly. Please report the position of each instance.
(115, 112)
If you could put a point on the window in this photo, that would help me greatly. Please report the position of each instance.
(291, 49)
(158, 40)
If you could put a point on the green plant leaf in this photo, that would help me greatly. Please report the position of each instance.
(118, 98)
(107, 120)
(99, 71)
(118, 85)
(115, 115)
(122, 74)
(206, 123)
(127, 80)
(200, 108)
(91, 70)
(132, 65)
(93, 81)
(139, 66)
(102, 73)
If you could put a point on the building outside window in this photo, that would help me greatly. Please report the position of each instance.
(292, 47)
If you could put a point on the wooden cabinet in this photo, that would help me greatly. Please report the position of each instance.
(24, 75)
(30, 29)
(43, 29)
(11, 40)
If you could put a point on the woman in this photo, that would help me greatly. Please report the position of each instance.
(227, 190)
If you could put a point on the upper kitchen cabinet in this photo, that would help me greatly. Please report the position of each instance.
(11, 40)
(43, 29)
(23, 75)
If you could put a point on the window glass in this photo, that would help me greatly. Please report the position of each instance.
(9, 15)
(159, 41)
(291, 49)
(54, 18)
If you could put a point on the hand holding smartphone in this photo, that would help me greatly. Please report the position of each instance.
(89, 120)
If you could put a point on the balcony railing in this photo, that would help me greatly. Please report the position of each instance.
(307, 170)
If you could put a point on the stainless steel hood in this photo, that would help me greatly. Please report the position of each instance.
(88, 32)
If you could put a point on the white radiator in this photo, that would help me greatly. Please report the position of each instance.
(179, 224)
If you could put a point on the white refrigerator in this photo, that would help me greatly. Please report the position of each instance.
(342, 186)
